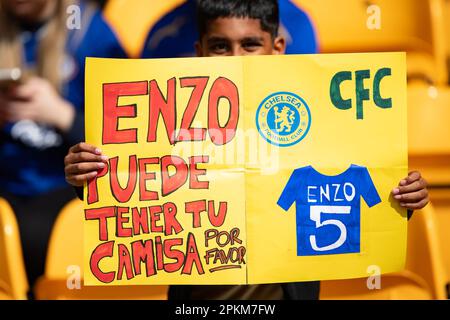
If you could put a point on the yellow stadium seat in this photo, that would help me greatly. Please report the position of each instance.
(393, 287)
(4, 289)
(425, 254)
(414, 26)
(429, 132)
(133, 19)
(13, 280)
(447, 29)
(441, 203)
(4, 296)
(424, 276)
(65, 257)
(429, 151)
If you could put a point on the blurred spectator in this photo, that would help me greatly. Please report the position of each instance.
(174, 34)
(43, 115)
(100, 3)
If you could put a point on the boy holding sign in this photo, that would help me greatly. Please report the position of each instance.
(234, 28)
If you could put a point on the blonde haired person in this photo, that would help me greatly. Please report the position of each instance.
(47, 40)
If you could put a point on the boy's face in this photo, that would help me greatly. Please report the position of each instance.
(238, 37)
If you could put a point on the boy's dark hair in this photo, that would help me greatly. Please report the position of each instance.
(266, 11)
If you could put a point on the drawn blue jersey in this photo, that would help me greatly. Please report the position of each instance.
(328, 208)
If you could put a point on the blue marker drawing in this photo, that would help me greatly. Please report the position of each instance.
(328, 208)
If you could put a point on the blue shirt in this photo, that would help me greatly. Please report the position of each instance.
(31, 154)
(175, 34)
(328, 208)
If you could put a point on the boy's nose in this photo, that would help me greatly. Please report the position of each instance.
(237, 50)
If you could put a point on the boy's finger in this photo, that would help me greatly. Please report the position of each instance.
(79, 179)
(78, 157)
(412, 196)
(84, 167)
(415, 205)
(415, 186)
(87, 156)
(83, 146)
(413, 176)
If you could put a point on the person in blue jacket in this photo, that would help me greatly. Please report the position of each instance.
(42, 115)
(175, 34)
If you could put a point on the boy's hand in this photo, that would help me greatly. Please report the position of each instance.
(412, 192)
(82, 163)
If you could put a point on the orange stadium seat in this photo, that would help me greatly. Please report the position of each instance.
(414, 26)
(428, 111)
(65, 254)
(441, 201)
(133, 19)
(429, 145)
(423, 278)
(429, 148)
(447, 28)
(13, 280)
(429, 132)
(4, 296)
(406, 286)
(4, 291)
(425, 254)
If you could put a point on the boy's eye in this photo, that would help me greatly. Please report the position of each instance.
(251, 45)
(218, 47)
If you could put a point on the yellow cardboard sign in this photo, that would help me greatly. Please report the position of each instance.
(245, 169)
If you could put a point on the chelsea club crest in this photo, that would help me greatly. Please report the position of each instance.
(283, 119)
